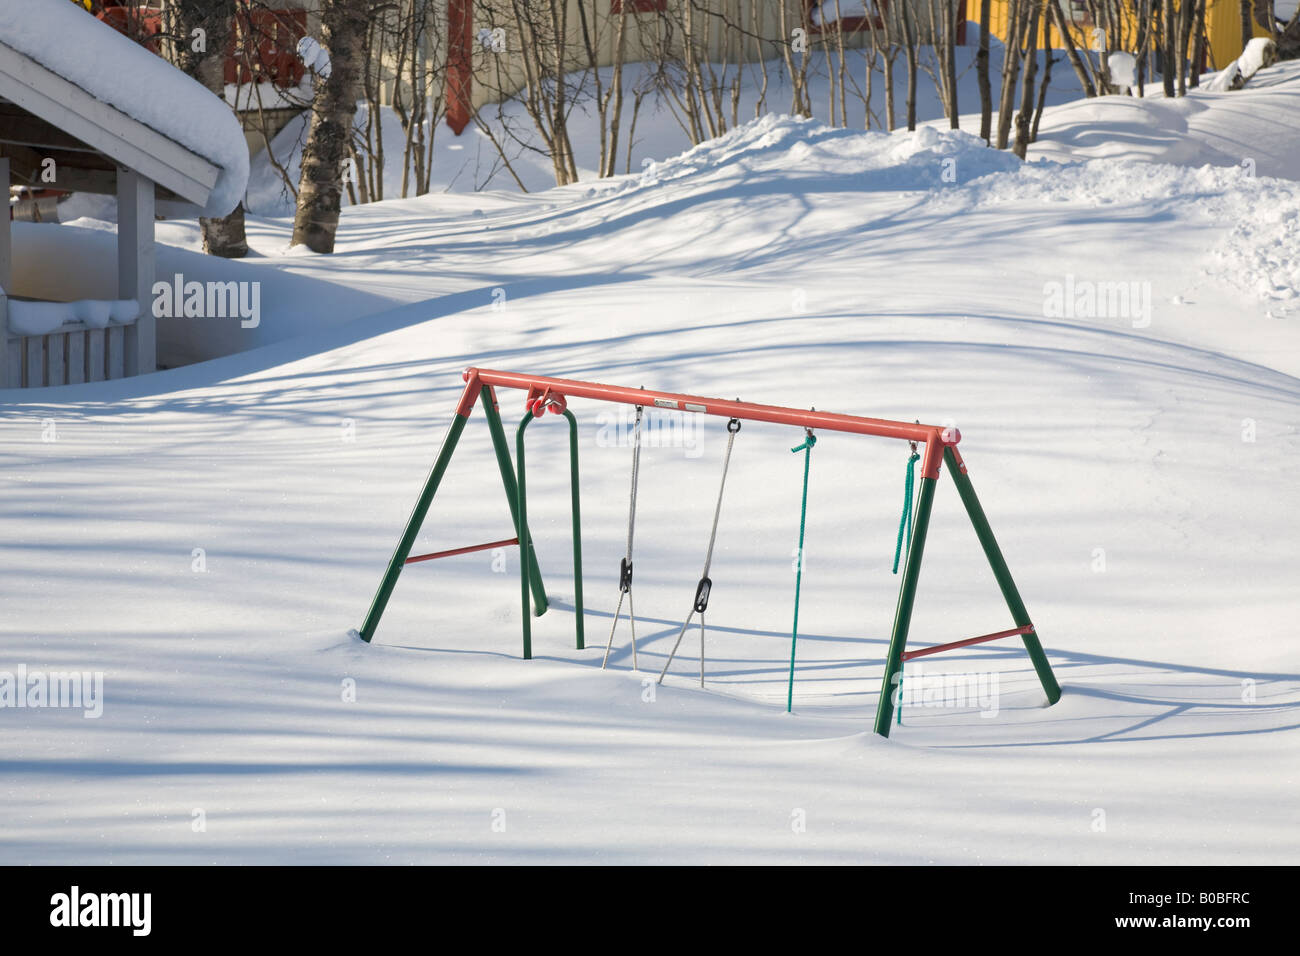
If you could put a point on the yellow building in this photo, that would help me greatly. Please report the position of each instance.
(1222, 29)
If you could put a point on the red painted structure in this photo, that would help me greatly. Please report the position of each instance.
(953, 645)
(263, 47)
(460, 64)
(553, 392)
(141, 22)
(452, 552)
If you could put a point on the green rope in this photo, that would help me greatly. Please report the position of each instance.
(905, 524)
(806, 448)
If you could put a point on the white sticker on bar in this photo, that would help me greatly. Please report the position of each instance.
(695, 408)
(665, 403)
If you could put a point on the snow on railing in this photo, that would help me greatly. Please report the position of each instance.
(63, 343)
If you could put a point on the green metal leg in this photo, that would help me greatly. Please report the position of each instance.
(512, 497)
(577, 526)
(1000, 571)
(522, 505)
(906, 599)
(525, 556)
(413, 525)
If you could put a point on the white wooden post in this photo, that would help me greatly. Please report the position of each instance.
(6, 238)
(135, 266)
(6, 276)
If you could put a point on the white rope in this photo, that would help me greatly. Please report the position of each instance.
(708, 561)
(631, 526)
(636, 471)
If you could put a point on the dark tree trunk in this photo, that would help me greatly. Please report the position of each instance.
(1010, 70)
(909, 44)
(1025, 115)
(1071, 51)
(202, 56)
(982, 74)
(1048, 60)
(1169, 46)
(950, 62)
(1198, 43)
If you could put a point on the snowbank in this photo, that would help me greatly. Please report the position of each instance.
(1255, 126)
(470, 162)
(1138, 475)
(1255, 247)
(68, 41)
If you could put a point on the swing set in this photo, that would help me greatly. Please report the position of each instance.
(545, 393)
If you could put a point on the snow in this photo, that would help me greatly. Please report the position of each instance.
(829, 11)
(207, 536)
(268, 96)
(1255, 56)
(1254, 126)
(1258, 53)
(1123, 68)
(314, 56)
(42, 318)
(1189, 131)
(128, 77)
(470, 162)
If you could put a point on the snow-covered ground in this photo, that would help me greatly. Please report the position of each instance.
(1254, 127)
(206, 536)
(471, 162)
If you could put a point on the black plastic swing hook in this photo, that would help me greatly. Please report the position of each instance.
(702, 594)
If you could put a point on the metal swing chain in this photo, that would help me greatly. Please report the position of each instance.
(625, 569)
(706, 585)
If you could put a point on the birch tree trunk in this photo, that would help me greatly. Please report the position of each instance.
(320, 188)
(200, 31)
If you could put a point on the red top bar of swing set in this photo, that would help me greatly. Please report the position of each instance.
(934, 437)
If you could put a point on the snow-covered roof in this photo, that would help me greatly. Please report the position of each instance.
(68, 42)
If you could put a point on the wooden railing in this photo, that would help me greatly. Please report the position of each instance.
(70, 355)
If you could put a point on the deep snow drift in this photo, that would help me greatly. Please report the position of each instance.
(205, 537)
(1254, 128)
